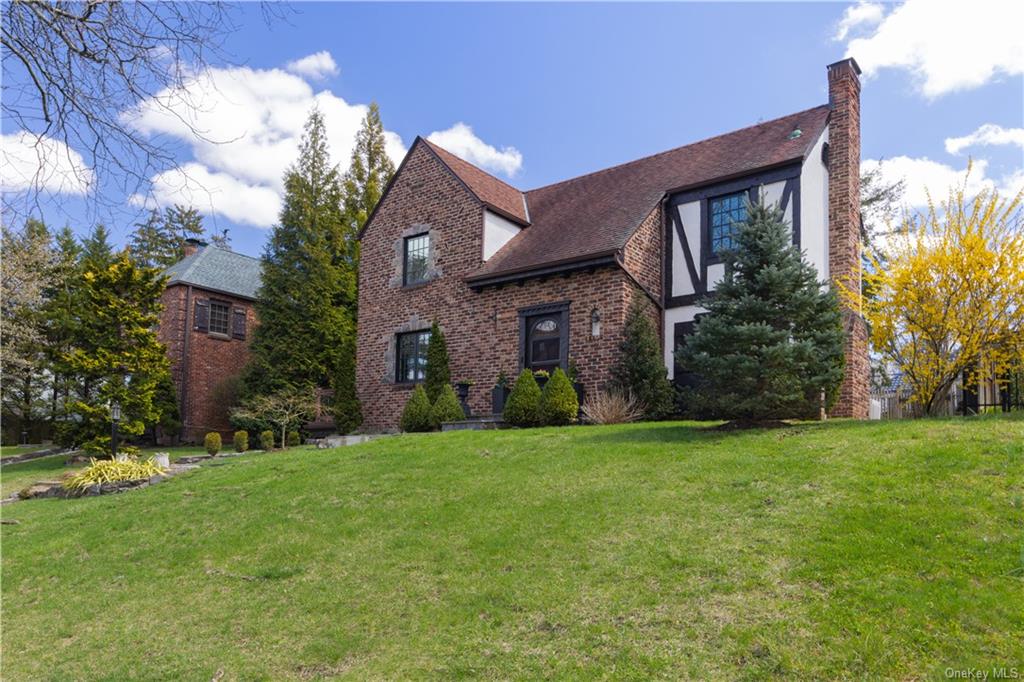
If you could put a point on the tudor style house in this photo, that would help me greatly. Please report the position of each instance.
(544, 277)
(206, 323)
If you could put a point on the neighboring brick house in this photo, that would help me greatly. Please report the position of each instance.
(206, 325)
(545, 277)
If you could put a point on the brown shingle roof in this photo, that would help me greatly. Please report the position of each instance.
(595, 214)
(490, 190)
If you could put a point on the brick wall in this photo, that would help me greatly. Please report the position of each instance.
(844, 228)
(642, 254)
(211, 361)
(482, 329)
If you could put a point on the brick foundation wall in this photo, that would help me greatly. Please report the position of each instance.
(212, 360)
(482, 328)
(844, 228)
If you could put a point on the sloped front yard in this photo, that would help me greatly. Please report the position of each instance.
(664, 550)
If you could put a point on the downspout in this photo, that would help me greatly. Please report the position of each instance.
(183, 394)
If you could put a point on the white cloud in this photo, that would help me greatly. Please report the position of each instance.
(249, 124)
(213, 192)
(463, 142)
(924, 176)
(989, 134)
(948, 45)
(862, 14)
(317, 65)
(42, 163)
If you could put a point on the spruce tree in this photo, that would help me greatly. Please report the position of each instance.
(307, 300)
(368, 174)
(159, 241)
(640, 371)
(348, 413)
(438, 374)
(772, 339)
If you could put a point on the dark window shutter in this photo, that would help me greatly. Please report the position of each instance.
(202, 315)
(238, 324)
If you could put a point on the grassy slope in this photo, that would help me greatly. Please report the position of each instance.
(12, 450)
(640, 551)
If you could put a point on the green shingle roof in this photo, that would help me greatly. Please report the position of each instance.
(219, 270)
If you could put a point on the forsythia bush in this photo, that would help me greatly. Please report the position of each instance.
(212, 442)
(241, 441)
(523, 405)
(416, 415)
(109, 471)
(558, 402)
(446, 408)
(267, 439)
(293, 439)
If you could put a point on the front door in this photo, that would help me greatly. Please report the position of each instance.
(544, 338)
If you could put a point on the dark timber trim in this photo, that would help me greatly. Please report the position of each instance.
(478, 283)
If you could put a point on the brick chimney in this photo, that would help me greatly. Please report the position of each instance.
(192, 245)
(844, 245)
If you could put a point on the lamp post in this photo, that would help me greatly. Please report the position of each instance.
(115, 417)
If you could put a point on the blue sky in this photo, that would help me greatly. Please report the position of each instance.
(552, 91)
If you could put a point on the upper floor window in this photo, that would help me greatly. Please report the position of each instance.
(724, 215)
(411, 358)
(220, 315)
(414, 265)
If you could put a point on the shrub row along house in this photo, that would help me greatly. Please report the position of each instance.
(544, 278)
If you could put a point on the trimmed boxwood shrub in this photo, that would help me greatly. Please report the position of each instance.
(267, 439)
(523, 405)
(558, 402)
(446, 408)
(212, 443)
(293, 439)
(241, 441)
(416, 415)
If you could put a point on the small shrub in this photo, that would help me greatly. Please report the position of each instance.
(241, 441)
(523, 405)
(267, 439)
(110, 471)
(293, 439)
(558, 402)
(212, 443)
(446, 408)
(416, 415)
(612, 407)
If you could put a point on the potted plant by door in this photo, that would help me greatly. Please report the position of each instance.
(542, 376)
(462, 391)
(499, 394)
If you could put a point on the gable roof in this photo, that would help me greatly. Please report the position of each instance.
(219, 270)
(595, 214)
(495, 193)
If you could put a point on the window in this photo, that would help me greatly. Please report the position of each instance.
(219, 315)
(414, 269)
(723, 215)
(411, 360)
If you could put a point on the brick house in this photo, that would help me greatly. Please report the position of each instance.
(206, 324)
(544, 277)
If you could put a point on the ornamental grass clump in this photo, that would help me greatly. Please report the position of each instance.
(558, 402)
(446, 408)
(212, 443)
(523, 405)
(112, 471)
(612, 407)
(416, 414)
(241, 441)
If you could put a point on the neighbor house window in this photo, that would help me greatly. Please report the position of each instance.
(411, 361)
(417, 250)
(724, 215)
(220, 313)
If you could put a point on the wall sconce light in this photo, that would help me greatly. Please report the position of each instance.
(595, 323)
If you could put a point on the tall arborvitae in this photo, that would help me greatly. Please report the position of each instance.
(438, 375)
(640, 371)
(348, 413)
(368, 174)
(306, 302)
(771, 342)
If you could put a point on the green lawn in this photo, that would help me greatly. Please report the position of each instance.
(839, 550)
(12, 450)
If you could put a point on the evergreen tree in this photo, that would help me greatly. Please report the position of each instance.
(640, 370)
(772, 339)
(307, 300)
(348, 413)
(58, 317)
(165, 400)
(446, 408)
(368, 174)
(150, 244)
(120, 358)
(181, 223)
(523, 405)
(416, 413)
(559, 404)
(438, 374)
(97, 253)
